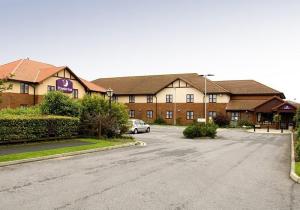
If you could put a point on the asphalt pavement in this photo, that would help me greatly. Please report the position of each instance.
(238, 170)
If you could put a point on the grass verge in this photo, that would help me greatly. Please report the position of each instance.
(297, 168)
(93, 144)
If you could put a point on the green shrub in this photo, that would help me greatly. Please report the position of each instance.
(57, 103)
(200, 130)
(160, 121)
(30, 128)
(297, 151)
(103, 122)
(246, 123)
(221, 120)
(297, 118)
(32, 111)
(191, 131)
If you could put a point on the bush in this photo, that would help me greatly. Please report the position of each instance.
(57, 103)
(221, 120)
(160, 121)
(200, 130)
(31, 128)
(95, 112)
(297, 151)
(297, 118)
(246, 123)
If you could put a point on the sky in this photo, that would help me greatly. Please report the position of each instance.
(232, 39)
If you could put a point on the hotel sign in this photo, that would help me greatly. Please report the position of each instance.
(64, 85)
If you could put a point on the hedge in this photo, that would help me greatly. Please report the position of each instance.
(200, 130)
(33, 128)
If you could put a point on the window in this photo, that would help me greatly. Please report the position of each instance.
(235, 116)
(189, 98)
(131, 99)
(131, 113)
(189, 115)
(169, 98)
(212, 114)
(149, 99)
(51, 88)
(114, 98)
(169, 115)
(212, 98)
(150, 114)
(75, 93)
(24, 88)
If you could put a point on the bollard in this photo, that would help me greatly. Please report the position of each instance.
(281, 129)
(268, 129)
(254, 127)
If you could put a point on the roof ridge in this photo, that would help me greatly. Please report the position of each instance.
(37, 75)
(16, 68)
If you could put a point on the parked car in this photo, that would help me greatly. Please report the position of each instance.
(138, 126)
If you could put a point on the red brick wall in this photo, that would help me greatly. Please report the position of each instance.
(181, 109)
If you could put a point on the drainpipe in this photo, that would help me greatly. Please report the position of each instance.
(155, 107)
(34, 100)
(174, 120)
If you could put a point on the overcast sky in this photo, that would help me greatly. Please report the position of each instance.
(233, 39)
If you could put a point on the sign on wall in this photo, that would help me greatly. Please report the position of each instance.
(64, 85)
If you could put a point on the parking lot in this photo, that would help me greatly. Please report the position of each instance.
(238, 170)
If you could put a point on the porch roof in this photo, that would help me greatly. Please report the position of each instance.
(244, 105)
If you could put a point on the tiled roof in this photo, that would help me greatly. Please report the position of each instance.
(247, 87)
(93, 87)
(27, 70)
(154, 83)
(249, 105)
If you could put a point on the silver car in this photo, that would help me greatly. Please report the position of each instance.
(138, 126)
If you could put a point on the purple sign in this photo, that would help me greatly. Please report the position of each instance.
(287, 107)
(64, 85)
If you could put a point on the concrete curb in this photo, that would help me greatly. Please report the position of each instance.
(15, 162)
(293, 175)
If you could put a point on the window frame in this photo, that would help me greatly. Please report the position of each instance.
(212, 114)
(169, 98)
(190, 115)
(190, 98)
(149, 99)
(212, 98)
(131, 99)
(24, 88)
(147, 114)
(131, 113)
(50, 88)
(75, 93)
(235, 116)
(169, 114)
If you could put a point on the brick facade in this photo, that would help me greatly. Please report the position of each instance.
(180, 116)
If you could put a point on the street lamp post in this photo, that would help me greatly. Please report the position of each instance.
(205, 93)
(109, 93)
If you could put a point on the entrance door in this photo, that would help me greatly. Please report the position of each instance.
(286, 119)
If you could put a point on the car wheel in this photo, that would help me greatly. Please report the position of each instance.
(148, 130)
(135, 131)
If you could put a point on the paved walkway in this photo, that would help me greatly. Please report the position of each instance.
(239, 170)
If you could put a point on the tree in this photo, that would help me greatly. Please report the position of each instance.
(57, 103)
(4, 85)
(95, 111)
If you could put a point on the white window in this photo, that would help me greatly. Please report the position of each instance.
(51, 88)
(189, 98)
(169, 98)
(24, 88)
(75, 93)
(235, 116)
(212, 98)
(150, 114)
(189, 115)
(169, 115)
(212, 114)
(149, 99)
(131, 113)
(131, 99)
